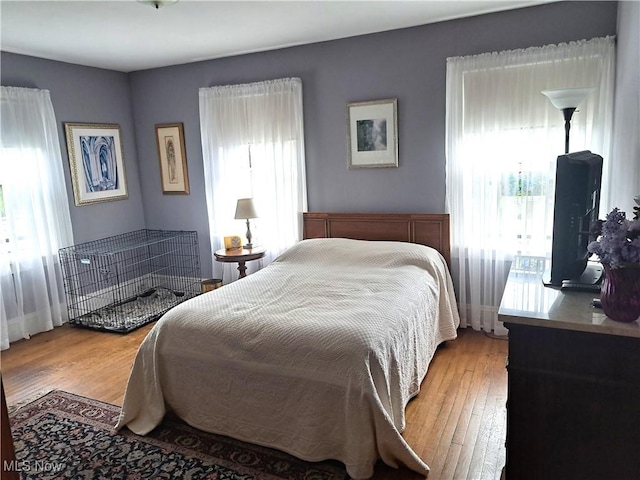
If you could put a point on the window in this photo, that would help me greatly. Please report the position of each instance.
(18, 179)
(253, 146)
(34, 215)
(503, 138)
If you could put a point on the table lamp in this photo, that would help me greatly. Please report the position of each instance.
(244, 211)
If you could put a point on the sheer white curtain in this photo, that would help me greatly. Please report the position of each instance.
(253, 146)
(502, 140)
(35, 220)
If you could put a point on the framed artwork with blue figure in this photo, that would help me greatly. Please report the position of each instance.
(96, 163)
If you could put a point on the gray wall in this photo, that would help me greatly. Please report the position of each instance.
(87, 95)
(409, 64)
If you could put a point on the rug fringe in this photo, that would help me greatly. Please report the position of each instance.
(14, 407)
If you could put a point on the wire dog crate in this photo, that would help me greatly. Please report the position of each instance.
(123, 282)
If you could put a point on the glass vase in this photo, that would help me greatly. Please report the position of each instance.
(620, 293)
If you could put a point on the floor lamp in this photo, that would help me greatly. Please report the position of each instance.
(567, 100)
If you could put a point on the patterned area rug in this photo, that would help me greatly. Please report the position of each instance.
(62, 435)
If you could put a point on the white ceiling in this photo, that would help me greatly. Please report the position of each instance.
(127, 35)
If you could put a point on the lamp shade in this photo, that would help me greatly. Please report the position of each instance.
(567, 97)
(245, 209)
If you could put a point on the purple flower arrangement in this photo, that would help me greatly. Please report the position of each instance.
(618, 242)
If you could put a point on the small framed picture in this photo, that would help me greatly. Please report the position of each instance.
(96, 163)
(173, 159)
(372, 133)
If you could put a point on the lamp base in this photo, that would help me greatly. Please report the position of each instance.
(248, 244)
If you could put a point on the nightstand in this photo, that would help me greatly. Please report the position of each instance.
(239, 256)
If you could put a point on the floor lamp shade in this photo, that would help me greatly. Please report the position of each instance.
(245, 209)
(567, 97)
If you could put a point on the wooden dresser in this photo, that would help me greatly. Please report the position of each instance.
(573, 408)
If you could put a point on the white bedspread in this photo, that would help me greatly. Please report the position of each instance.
(316, 354)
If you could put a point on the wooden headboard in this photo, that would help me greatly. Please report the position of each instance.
(423, 228)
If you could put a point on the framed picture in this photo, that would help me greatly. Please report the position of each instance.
(96, 162)
(172, 157)
(372, 133)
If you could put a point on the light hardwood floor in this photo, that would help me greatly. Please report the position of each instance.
(456, 424)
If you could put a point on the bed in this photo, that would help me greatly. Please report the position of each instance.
(318, 353)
